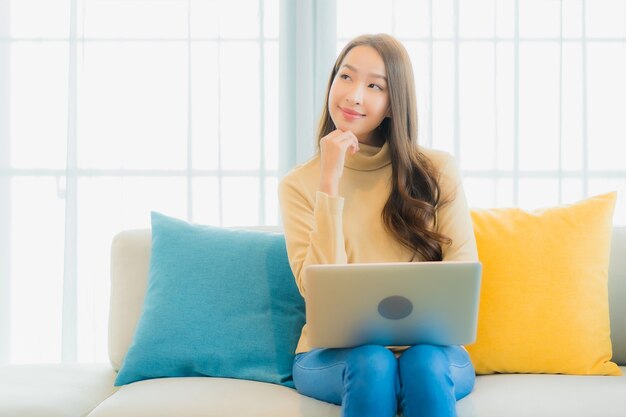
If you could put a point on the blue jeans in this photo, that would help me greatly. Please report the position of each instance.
(425, 380)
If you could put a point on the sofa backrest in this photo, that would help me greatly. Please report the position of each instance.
(130, 259)
(617, 294)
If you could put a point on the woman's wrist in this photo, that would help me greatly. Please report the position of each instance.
(329, 187)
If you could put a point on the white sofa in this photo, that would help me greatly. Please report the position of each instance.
(87, 390)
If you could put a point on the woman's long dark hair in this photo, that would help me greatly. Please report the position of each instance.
(410, 211)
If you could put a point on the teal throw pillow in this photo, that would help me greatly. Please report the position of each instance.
(220, 302)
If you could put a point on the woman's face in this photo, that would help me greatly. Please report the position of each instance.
(358, 100)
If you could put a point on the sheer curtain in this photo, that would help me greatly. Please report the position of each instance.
(110, 109)
(530, 96)
(307, 43)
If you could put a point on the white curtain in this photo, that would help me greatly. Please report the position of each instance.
(111, 109)
(530, 96)
(307, 43)
(5, 206)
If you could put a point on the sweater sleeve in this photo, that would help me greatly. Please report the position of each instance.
(313, 228)
(453, 218)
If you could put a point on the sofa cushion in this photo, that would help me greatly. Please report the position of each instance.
(493, 396)
(544, 297)
(54, 390)
(221, 397)
(220, 302)
(546, 396)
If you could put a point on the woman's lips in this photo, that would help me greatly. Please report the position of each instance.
(351, 114)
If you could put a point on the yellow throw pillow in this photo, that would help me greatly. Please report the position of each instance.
(544, 297)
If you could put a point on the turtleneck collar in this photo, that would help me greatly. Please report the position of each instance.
(369, 158)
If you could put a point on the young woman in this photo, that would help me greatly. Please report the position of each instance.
(371, 194)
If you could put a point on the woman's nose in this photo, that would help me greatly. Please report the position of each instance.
(355, 95)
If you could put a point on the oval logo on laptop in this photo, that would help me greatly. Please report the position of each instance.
(395, 307)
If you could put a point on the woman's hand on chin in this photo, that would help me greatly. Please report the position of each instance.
(333, 149)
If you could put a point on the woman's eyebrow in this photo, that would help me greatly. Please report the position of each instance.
(371, 74)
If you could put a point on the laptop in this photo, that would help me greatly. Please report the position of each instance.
(392, 304)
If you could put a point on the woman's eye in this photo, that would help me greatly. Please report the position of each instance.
(344, 76)
(376, 86)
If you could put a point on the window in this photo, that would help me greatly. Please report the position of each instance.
(530, 96)
(118, 108)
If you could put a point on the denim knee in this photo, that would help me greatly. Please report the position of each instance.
(371, 382)
(372, 362)
(425, 362)
(433, 378)
(358, 374)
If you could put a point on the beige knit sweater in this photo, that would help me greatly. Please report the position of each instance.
(320, 229)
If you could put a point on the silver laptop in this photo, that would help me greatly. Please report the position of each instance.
(392, 304)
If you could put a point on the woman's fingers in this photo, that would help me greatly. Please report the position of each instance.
(351, 141)
(345, 140)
